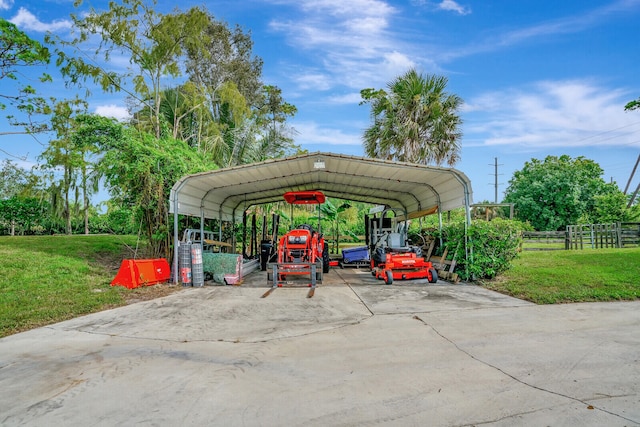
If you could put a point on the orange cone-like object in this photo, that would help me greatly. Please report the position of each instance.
(139, 272)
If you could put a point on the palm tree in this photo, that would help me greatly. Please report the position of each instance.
(417, 121)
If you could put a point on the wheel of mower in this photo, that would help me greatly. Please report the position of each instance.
(434, 275)
(388, 277)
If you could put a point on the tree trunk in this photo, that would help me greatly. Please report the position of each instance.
(67, 208)
(86, 215)
(86, 202)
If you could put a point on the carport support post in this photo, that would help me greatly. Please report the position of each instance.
(440, 224)
(468, 246)
(175, 240)
(233, 234)
(202, 227)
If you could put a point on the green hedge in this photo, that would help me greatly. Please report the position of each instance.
(492, 245)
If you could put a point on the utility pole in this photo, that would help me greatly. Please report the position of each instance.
(633, 197)
(495, 181)
(632, 173)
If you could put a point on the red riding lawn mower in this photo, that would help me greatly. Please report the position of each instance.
(302, 251)
(391, 257)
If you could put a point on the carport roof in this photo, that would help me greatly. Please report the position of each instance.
(225, 193)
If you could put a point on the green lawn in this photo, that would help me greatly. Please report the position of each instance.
(549, 277)
(46, 279)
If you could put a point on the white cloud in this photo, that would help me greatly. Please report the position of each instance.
(311, 80)
(28, 21)
(112, 110)
(6, 4)
(397, 61)
(349, 39)
(310, 134)
(552, 114)
(346, 99)
(367, 25)
(452, 6)
(346, 8)
(567, 25)
(446, 5)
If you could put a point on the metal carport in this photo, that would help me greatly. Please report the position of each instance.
(224, 194)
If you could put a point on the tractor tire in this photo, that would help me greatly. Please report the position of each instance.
(388, 277)
(325, 258)
(434, 275)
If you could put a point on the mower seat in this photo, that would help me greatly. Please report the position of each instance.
(394, 240)
(396, 245)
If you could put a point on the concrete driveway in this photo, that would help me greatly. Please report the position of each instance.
(357, 353)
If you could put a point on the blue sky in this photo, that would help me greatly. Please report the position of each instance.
(537, 77)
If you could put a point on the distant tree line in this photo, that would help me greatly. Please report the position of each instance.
(221, 114)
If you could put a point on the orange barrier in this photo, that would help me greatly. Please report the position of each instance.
(138, 272)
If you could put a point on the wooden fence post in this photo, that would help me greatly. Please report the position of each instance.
(619, 234)
(581, 228)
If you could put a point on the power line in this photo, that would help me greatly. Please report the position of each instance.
(608, 131)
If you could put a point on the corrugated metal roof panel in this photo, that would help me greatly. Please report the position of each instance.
(225, 193)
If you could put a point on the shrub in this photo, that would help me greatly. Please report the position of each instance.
(492, 245)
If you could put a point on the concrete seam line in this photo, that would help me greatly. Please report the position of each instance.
(355, 293)
(590, 406)
(361, 300)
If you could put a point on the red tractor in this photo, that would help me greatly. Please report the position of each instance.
(303, 250)
(391, 257)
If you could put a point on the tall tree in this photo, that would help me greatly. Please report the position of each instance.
(232, 117)
(91, 132)
(17, 52)
(221, 130)
(612, 207)
(277, 136)
(229, 75)
(155, 45)
(181, 109)
(21, 211)
(559, 191)
(415, 121)
(227, 57)
(62, 153)
(13, 179)
(17, 204)
(140, 170)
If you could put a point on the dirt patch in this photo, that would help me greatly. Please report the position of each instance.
(111, 261)
(147, 293)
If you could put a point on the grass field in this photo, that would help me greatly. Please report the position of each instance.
(47, 279)
(549, 277)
